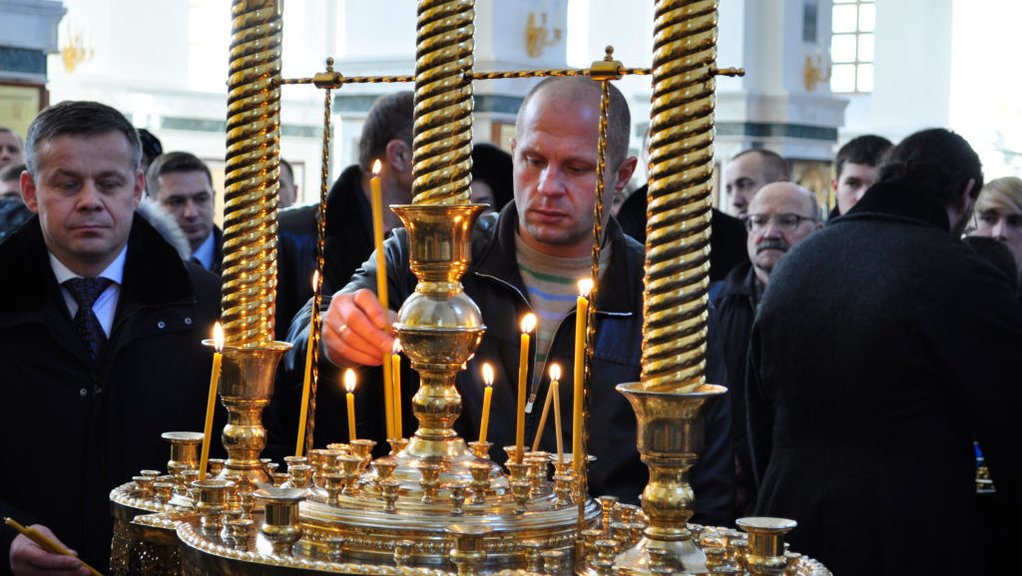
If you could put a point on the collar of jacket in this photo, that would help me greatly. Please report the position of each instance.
(740, 281)
(616, 296)
(900, 200)
(153, 271)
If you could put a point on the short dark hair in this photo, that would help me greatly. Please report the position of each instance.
(170, 163)
(78, 118)
(12, 172)
(151, 145)
(6, 130)
(390, 118)
(867, 149)
(935, 159)
(619, 119)
(285, 165)
(775, 167)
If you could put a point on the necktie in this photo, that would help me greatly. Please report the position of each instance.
(85, 291)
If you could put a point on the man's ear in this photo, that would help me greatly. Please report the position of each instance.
(833, 184)
(624, 172)
(399, 155)
(29, 192)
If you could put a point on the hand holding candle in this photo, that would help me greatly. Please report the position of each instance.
(376, 194)
(528, 324)
(581, 325)
(555, 375)
(349, 386)
(487, 398)
(214, 382)
(33, 534)
(303, 415)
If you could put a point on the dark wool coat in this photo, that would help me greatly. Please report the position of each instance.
(73, 429)
(494, 283)
(883, 345)
(734, 311)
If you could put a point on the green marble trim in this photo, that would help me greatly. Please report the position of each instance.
(22, 60)
(771, 130)
(490, 103)
(220, 126)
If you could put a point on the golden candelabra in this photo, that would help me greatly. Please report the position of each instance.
(437, 505)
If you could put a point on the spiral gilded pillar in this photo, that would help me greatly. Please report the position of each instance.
(442, 141)
(253, 164)
(678, 216)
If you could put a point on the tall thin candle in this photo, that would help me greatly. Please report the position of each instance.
(214, 382)
(376, 194)
(581, 324)
(395, 373)
(349, 386)
(303, 415)
(487, 398)
(555, 375)
(528, 324)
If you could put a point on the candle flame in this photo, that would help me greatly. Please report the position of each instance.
(555, 371)
(529, 322)
(218, 337)
(315, 280)
(377, 166)
(585, 286)
(349, 380)
(396, 347)
(488, 374)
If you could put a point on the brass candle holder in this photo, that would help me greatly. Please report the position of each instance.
(246, 386)
(670, 436)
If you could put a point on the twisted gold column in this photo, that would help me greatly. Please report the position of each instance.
(678, 217)
(442, 143)
(253, 164)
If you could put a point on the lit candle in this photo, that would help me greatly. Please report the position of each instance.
(581, 322)
(528, 324)
(487, 398)
(555, 375)
(303, 415)
(349, 385)
(214, 382)
(376, 193)
(395, 374)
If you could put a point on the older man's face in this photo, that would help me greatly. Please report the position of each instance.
(780, 216)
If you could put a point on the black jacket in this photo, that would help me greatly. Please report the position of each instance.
(883, 345)
(494, 283)
(349, 241)
(734, 311)
(727, 233)
(75, 428)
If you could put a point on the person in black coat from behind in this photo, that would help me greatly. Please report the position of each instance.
(882, 347)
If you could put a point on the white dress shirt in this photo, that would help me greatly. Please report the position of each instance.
(106, 304)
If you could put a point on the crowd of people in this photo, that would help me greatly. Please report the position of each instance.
(865, 350)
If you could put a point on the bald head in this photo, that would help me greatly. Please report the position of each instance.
(781, 215)
(583, 93)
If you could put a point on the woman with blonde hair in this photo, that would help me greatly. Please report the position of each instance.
(999, 214)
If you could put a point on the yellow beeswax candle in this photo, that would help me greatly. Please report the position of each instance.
(487, 398)
(581, 324)
(303, 415)
(555, 375)
(395, 379)
(528, 324)
(214, 382)
(349, 386)
(376, 194)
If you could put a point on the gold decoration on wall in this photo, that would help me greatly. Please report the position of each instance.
(817, 70)
(538, 36)
(74, 51)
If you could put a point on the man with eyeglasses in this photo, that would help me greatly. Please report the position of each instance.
(882, 348)
(780, 215)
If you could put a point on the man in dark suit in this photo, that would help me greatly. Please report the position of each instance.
(183, 186)
(101, 325)
(883, 346)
